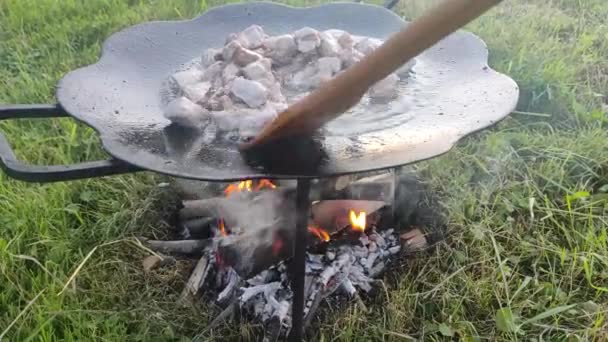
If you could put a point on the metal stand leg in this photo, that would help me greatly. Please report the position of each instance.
(298, 266)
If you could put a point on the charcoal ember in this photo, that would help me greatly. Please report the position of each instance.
(264, 277)
(376, 270)
(348, 288)
(231, 286)
(314, 266)
(360, 251)
(364, 240)
(315, 258)
(371, 260)
(281, 310)
(395, 249)
(357, 276)
(378, 239)
(332, 276)
(266, 289)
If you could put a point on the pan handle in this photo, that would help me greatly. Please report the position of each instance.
(390, 3)
(51, 173)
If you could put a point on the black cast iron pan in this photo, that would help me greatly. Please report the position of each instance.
(450, 93)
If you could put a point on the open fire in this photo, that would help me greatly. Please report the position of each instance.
(357, 222)
(320, 233)
(243, 263)
(247, 185)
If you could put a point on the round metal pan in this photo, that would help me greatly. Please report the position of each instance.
(450, 93)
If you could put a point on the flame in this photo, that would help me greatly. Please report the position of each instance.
(319, 232)
(357, 221)
(222, 227)
(247, 185)
(265, 183)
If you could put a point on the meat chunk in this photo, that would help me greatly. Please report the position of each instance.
(307, 39)
(184, 112)
(250, 92)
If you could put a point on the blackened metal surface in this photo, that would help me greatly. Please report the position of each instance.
(450, 93)
(298, 263)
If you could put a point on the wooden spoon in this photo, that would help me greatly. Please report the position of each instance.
(345, 90)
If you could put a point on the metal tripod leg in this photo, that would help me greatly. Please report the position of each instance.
(298, 265)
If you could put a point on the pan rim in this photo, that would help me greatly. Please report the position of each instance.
(107, 141)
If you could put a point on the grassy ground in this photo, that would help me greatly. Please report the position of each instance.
(527, 257)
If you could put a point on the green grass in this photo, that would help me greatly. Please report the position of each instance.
(527, 256)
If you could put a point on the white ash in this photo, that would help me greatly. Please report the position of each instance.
(256, 69)
(345, 268)
(233, 280)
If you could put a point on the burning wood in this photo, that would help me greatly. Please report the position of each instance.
(357, 221)
(334, 215)
(250, 241)
(320, 233)
(248, 185)
(198, 277)
(345, 268)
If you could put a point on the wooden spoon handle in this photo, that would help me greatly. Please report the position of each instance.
(345, 90)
